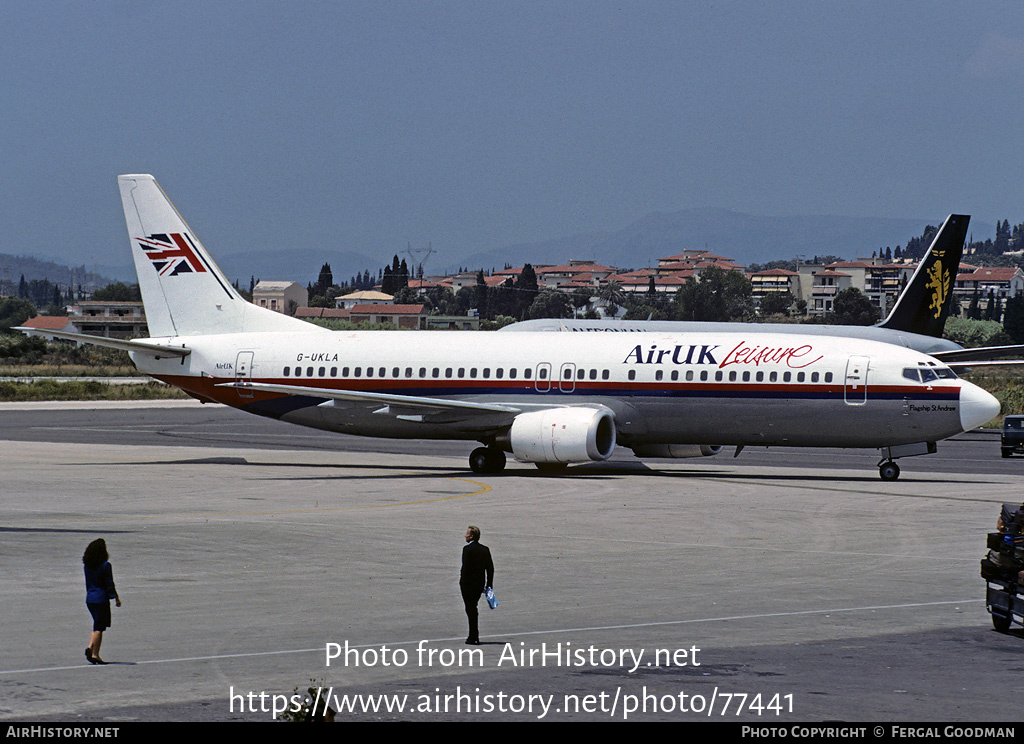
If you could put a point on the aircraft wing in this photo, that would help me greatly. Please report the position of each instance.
(147, 347)
(406, 407)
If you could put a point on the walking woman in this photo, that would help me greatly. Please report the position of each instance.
(99, 590)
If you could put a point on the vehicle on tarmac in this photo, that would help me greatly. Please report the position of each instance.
(1012, 439)
(1003, 569)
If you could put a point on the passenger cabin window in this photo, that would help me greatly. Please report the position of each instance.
(287, 371)
(658, 375)
(309, 371)
(322, 371)
(334, 371)
(828, 377)
(632, 374)
(527, 373)
(357, 372)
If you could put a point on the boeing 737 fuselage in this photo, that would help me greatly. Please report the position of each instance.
(546, 398)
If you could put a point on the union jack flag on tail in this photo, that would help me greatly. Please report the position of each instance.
(171, 254)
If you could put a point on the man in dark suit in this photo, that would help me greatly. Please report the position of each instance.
(477, 575)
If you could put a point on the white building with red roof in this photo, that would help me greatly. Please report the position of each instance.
(774, 280)
(406, 317)
(51, 323)
(1002, 281)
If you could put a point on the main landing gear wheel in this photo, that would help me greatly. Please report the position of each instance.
(889, 471)
(1001, 622)
(487, 460)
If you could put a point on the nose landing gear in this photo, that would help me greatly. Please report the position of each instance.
(889, 471)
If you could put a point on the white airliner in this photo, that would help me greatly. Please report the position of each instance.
(547, 398)
(916, 320)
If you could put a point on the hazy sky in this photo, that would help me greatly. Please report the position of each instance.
(472, 125)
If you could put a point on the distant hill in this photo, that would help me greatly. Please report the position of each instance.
(12, 268)
(300, 265)
(743, 237)
(557, 251)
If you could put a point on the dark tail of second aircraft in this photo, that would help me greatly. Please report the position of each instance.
(923, 306)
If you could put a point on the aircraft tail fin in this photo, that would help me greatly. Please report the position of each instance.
(183, 290)
(923, 305)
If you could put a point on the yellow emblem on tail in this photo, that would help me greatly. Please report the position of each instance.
(938, 283)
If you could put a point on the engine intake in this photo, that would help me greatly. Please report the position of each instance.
(563, 435)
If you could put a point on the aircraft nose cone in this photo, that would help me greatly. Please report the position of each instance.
(976, 406)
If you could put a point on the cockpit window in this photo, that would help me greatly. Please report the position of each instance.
(928, 374)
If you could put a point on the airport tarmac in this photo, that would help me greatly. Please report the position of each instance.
(793, 583)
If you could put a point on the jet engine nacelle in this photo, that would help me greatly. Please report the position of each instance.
(677, 450)
(563, 435)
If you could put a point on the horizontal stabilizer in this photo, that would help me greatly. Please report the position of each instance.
(157, 350)
(980, 354)
(986, 363)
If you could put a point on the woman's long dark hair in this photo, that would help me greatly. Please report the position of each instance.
(96, 554)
